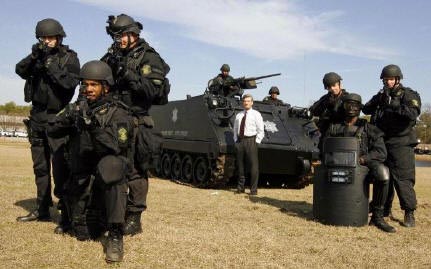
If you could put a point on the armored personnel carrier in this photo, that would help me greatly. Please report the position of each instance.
(198, 146)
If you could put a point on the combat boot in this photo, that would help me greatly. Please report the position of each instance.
(409, 219)
(36, 215)
(133, 223)
(114, 247)
(378, 221)
(64, 225)
(387, 213)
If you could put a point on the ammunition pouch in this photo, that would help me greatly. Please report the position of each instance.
(147, 148)
(163, 91)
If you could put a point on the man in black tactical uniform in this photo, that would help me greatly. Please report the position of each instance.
(101, 139)
(372, 154)
(272, 99)
(51, 74)
(219, 85)
(139, 74)
(394, 110)
(328, 108)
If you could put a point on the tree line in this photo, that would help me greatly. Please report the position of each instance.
(12, 109)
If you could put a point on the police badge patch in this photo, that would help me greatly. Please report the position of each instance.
(146, 69)
(122, 135)
(415, 102)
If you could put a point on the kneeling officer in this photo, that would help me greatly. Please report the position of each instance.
(372, 154)
(101, 134)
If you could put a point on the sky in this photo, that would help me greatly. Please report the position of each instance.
(303, 40)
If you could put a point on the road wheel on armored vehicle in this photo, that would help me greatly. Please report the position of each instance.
(187, 169)
(176, 167)
(165, 165)
(201, 171)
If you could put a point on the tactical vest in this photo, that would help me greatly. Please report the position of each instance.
(157, 74)
(104, 114)
(39, 90)
(389, 120)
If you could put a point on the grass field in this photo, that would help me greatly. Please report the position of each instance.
(186, 227)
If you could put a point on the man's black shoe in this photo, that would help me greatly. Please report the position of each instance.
(239, 191)
(380, 223)
(114, 247)
(133, 223)
(35, 216)
(409, 219)
(253, 193)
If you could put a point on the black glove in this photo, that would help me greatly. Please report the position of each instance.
(36, 51)
(395, 103)
(47, 50)
(130, 75)
(52, 64)
(129, 79)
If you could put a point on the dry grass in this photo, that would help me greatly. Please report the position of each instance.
(423, 157)
(195, 228)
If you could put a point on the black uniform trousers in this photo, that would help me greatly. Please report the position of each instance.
(138, 181)
(44, 153)
(91, 202)
(247, 157)
(401, 163)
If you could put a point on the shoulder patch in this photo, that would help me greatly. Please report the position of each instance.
(414, 102)
(102, 111)
(122, 135)
(146, 69)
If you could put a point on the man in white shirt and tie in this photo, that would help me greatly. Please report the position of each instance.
(248, 132)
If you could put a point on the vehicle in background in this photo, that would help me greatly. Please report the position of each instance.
(20, 134)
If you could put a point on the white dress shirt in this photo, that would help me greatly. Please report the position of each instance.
(253, 125)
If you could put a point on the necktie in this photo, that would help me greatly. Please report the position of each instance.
(242, 126)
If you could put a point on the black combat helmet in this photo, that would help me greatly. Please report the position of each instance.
(225, 68)
(49, 27)
(352, 104)
(122, 24)
(274, 89)
(391, 70)
(330, 79)
(97, 70)
(352, 97)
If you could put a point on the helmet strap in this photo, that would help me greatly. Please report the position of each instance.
(59, 41)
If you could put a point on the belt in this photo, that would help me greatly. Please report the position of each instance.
(246, 137)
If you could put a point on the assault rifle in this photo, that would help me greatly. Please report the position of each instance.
(82, 113)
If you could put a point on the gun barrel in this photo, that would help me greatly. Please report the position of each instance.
(266, 76)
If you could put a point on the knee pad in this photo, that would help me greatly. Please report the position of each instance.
(381, 172)
(112, 169)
